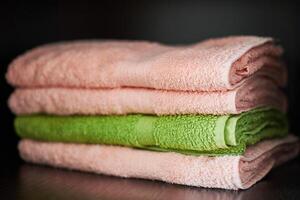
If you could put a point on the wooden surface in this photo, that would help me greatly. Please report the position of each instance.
(26, 181)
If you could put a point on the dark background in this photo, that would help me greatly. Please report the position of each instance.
(25, 25)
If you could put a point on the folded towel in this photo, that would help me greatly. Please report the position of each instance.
(255, 92)
(212, 65)
(189, 134)
(228, 172)
(65, 184)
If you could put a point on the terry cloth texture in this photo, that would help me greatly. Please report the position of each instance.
(228, 172)
(211, 65)
(188, 134)
(255, 92)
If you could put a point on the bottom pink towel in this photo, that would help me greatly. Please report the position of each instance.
(228, 172)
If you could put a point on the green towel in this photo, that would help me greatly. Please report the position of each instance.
(188, 134)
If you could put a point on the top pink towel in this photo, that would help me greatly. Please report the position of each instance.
(211, 65)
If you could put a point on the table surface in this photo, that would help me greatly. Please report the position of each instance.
(19, 180)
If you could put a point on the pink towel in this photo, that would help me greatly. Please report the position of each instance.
(253, 93)
(211, 65)
(46, 181)
(228, 172)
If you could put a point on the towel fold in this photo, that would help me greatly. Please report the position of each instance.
(228, 172)
(188, 134)
(211, 65)
(255, 92)
(65, 184)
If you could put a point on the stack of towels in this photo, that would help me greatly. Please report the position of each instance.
(210, 114)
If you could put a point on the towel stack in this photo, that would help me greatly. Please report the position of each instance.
(209, 114)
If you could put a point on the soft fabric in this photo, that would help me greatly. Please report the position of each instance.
(67, 184)
(211, 65)
(228, 172)
(63, 184)
(189, 134)
(256, 92)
